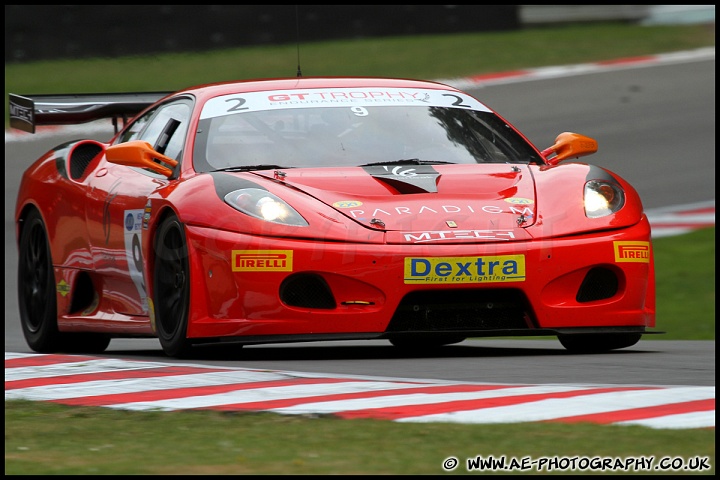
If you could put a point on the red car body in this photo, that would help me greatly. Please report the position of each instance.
(144, 236)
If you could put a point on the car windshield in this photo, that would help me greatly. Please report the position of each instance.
(247, 132)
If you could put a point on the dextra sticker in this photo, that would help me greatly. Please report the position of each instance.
(489, 269)
(632, 251)
(262, 260)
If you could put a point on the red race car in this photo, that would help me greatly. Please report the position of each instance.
(308, 209)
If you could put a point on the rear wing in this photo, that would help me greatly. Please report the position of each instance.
(30, 111)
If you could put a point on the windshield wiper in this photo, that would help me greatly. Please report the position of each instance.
(247, 168)
(408, 161)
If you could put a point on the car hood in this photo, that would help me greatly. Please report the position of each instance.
(425, 203)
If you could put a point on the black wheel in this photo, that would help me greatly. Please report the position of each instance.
(171, 287)
(36, 287)
(421, 342)
(36, 296)
(597, 343)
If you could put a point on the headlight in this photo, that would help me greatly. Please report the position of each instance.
(265, 206)
(602, 198)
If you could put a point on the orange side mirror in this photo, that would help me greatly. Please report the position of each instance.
(569, 145)
(138, 153)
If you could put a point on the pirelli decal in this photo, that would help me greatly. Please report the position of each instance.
(262, 260)
(632, 252)
(489, 269)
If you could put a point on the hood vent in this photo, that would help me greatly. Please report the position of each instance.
(406, 179)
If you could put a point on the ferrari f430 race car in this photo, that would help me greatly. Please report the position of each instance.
(309, 209)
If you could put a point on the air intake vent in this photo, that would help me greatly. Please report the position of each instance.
(461, 310)
(81, 158)
(83, 294)
(307, 291)
(599, 284)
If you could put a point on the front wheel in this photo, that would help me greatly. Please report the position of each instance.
(171, 287)
(599, 342)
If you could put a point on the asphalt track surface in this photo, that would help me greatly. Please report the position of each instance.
(654, 118)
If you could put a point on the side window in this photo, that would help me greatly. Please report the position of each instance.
(166, 131)
(133, 131)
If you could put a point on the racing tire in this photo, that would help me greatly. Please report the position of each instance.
(598, 343)
(422, 342)
(37, 296)
(171, 287)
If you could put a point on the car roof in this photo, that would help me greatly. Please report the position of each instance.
(294, 83)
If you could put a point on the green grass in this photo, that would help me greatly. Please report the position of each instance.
(43, 438)
(49, 439)
(429, 57)
(685, 286)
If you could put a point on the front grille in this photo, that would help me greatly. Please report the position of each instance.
(599, 283)
(307, 290)
(461, 310)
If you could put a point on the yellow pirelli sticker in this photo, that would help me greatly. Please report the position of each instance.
(262, 260)
(632, 252)
(489, 269)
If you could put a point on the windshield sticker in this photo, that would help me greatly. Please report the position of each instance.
(337, 97)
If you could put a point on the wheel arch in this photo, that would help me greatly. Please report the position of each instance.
(172, 301)
(151, 237)
(22, 216)
(21, 224)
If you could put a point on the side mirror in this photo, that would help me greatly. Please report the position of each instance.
(139, 153)
(569, 145)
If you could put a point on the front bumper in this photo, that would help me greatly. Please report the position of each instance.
(257, 290)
